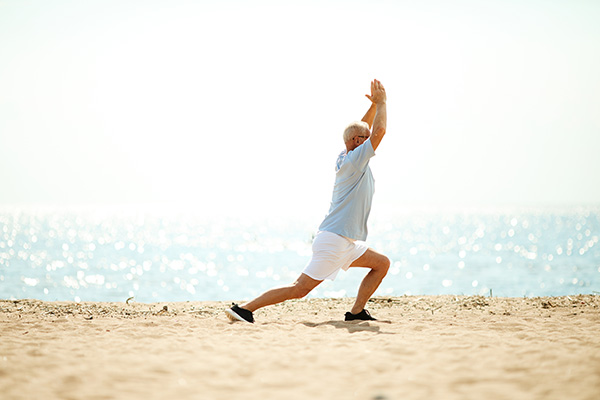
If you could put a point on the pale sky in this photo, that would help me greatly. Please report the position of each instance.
(224, 105)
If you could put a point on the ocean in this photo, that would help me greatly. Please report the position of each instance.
(111, 255)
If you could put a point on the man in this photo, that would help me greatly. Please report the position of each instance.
(340, 241)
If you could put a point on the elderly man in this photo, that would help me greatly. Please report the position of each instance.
(339, 243)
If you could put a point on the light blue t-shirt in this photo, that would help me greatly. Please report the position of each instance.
(352, 194)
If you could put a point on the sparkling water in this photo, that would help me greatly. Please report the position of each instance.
(100, 255)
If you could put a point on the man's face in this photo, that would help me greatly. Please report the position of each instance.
(360, 138)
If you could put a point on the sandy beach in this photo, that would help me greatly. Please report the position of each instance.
(422, 347)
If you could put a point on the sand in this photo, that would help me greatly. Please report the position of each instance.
(422, 347)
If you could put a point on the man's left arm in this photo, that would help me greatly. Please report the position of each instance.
(378, 97)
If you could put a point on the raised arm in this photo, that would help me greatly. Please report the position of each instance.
(370, 115)
(379, 98)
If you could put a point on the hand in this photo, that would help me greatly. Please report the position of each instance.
(377, 92)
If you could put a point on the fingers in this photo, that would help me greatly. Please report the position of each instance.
(377, 91)
(376, 85)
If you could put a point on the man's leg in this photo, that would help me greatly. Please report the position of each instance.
(303, 285)
(379, 265)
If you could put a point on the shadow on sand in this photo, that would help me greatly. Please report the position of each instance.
(352, 327)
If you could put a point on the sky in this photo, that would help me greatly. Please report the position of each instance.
(240, 105)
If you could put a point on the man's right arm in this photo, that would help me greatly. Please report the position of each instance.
(379, 98)
(370, 114)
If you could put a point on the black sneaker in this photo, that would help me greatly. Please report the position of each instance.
(237, 313)
(362, 316)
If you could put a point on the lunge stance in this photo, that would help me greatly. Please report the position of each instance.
(340, 242)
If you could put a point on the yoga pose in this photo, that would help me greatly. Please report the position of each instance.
(340, 242)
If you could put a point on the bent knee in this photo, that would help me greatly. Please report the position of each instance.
(384, 264)
(300, 291)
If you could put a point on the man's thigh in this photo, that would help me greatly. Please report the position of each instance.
(371, 259)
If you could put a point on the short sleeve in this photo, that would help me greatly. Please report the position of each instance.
(360, 156)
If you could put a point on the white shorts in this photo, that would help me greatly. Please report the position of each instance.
(332, 252)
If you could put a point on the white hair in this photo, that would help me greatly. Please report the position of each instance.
(354, 129)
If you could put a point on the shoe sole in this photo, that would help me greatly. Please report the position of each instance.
(233, 316)
(358, 319)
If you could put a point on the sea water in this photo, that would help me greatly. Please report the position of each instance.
(91, 255)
